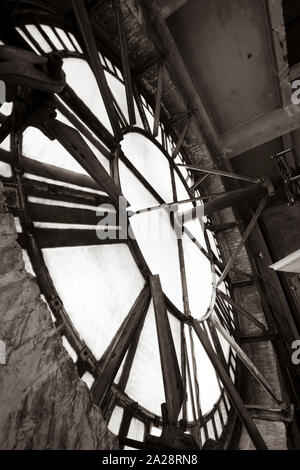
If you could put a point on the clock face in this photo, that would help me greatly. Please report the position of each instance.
(99, 278)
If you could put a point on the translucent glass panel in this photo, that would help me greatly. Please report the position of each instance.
(98, 285)
(6, 108)
(154, 235)
(150, 162)
(145, 384)
(103, 160)
(115, 420)
(69, 348)
(175, 326)
(38, 147)
(52, 36)
(208, 385)
(136, 430)
(34, 32)
(199, 279)
(82, 80)
(119, 93)
(27, 39)
(65, 39)
(5, 170)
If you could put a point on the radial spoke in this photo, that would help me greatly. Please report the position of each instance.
(173, 386)
(91, 47)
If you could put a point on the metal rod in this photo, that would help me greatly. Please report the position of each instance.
(198, 182)
(222, 173)
(175, 203)
(158, 100)
(245, 359)
(236, 400)
(252, 223)
(125, 63)
(241, 310)
(181, 138)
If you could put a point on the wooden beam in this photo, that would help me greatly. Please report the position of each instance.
(263, 129)
(58, 238)
(83, 129)
(63, 215)
(84, 113)
(55, 192)
(173, 386)
(72, 141)
(158, 99)
(125, 62)
(86, 30)
(129, 328)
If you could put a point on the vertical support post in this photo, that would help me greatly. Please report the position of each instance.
(173, 386)
(118, 350)
(158, 100)
(91, 47)
(125, 63)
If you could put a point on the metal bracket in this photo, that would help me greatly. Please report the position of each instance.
(23, 68)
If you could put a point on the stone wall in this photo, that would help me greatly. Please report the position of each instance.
(43, 402)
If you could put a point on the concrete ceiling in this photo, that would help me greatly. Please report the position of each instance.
(226, 46)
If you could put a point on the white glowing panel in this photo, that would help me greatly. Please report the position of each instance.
(82, 80)
(199, 279)
(145, 383)
(38, 147)
(150, 162)
(98, 285)
(155, 236)
(208, 384)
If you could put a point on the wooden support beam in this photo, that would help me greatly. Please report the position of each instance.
(135, 316)
(81, 110)
(173, 385)
(83, 129)
(125, 62)
(235, 398)
(77, 147)
(245, 236)
(63, 215)
(58, 238)
(45, 170)
(87, 33)
(158, 100)
(55, 192)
